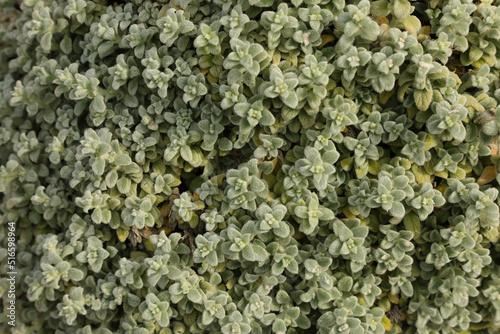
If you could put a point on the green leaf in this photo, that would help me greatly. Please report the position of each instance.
(186, 153)
(123, 160)
(261, 3)
(124, 185)
(46, 41)
(66, 44)
(75, 274)
(195, 296)
(97, 105)
(423, 99)
(282, 297)
(345, 283)
(98, 166)
(412, 24)
(402, 8)
(397, 210)
(248, 253)
(412, 223)
(380, 8)
(260, 253)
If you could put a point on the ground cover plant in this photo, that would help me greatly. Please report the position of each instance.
(250, 166)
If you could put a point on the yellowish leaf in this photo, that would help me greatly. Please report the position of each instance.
(393, 298)
(402, 91)
(347, 163)
(466, 168)
(384, 96)
(373, 167)
(412, 111)
(361, 300)
(489, 59)
(425, 30)
(230, 283)
(459, 174)
(138, 255)
(164, 209)
(430, 142)
(276, 58)
(492, 234)
(386, 323)
(433, 3)
(122, 234)
(420, 174)
(166, 229)
(472, 102)
(299, 236)
(412, 24)
(361, 171)
(149, 245)
(381, 20)
(348, 213)
(481, 325)
(212, 79)
(385, 304)
(441, 188)
(325, 39)
(443, 174)
(271, 196)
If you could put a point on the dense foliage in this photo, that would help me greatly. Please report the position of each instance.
(251, 166)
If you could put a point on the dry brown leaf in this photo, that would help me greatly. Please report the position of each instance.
(147, 232)
(135, 236)
(488, 175)
(485, 116)
(494, 146)
(166, 210)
